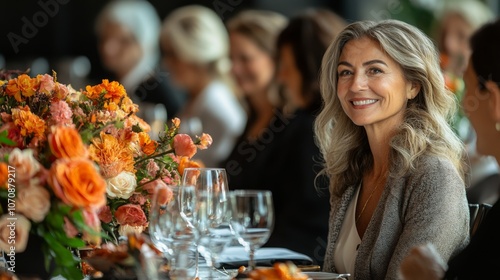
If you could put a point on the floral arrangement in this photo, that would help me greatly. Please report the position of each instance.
(77, 167)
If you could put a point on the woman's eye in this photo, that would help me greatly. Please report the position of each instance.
(344, 73)
(374, 71)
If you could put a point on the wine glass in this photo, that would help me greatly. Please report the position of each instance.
(212, 213)
(252, 219)
(170, 231)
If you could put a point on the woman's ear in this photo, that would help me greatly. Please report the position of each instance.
(494, 104)
(413, 90)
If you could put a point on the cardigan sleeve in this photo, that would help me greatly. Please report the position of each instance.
(434, 209)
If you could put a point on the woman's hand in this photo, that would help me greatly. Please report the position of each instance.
(423, 262)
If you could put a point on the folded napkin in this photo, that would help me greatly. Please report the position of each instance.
(236, 256)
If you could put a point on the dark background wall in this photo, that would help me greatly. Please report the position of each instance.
(58, 34)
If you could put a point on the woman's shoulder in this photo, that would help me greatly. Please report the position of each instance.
(433, 171)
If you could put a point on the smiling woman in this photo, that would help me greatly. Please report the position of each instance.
(384, 104)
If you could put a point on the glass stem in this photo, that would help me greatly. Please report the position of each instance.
(251, 261)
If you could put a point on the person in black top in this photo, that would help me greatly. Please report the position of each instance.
(285, 158)
(480, 259)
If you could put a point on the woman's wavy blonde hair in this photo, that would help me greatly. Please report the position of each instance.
(425, 128)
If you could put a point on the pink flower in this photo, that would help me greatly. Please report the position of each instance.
(183, 145)
(205, 141)
(92, 220)
(46, 83)
(152, 186)
(152, 168)
(61, 113)
(69, 228)
(138, 198)
(131, 214)
(104, 214)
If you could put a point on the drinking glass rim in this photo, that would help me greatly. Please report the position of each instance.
(250, 192)
(204, 168)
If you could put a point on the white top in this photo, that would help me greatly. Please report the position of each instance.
(348, 241)
(218, 112)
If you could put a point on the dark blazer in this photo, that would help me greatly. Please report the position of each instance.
(158, 89)
(285, 160)
(481, 258)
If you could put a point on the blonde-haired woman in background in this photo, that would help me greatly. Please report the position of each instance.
(395, 165)
(128, 34)
(195, 46)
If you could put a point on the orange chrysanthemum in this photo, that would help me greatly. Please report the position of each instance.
(113, 91)
(29, 124)
(23, 85)
(112, 155)
(148, 146)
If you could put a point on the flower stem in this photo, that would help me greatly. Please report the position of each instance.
(154, 156)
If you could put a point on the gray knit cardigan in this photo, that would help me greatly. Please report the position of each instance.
(428, 205)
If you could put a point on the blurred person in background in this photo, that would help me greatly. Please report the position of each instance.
(284, 157)
(480, 259)
(128, 42)
(456, 22)
(253, 35)
(195, 46)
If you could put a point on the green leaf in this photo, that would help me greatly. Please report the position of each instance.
(4, 139)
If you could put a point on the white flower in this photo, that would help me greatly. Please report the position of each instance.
(122, 185)
(125, 230)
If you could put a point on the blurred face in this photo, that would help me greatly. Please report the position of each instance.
(456, 34)
(289, 76)
(252, 67)
(476, 105)
(119, 50)
(183, 73)
(371, 87)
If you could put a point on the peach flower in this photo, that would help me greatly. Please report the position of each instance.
(33, 202)
(184, 146)
(76, 182)
(205, 141)
(46, 83)
(122, 185)
(25, 164)
(131, 214)
(18, 227)
(65, 142)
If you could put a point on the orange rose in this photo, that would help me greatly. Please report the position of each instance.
(65, 142)
(185, 163)
(184, 146)
(77, 182)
